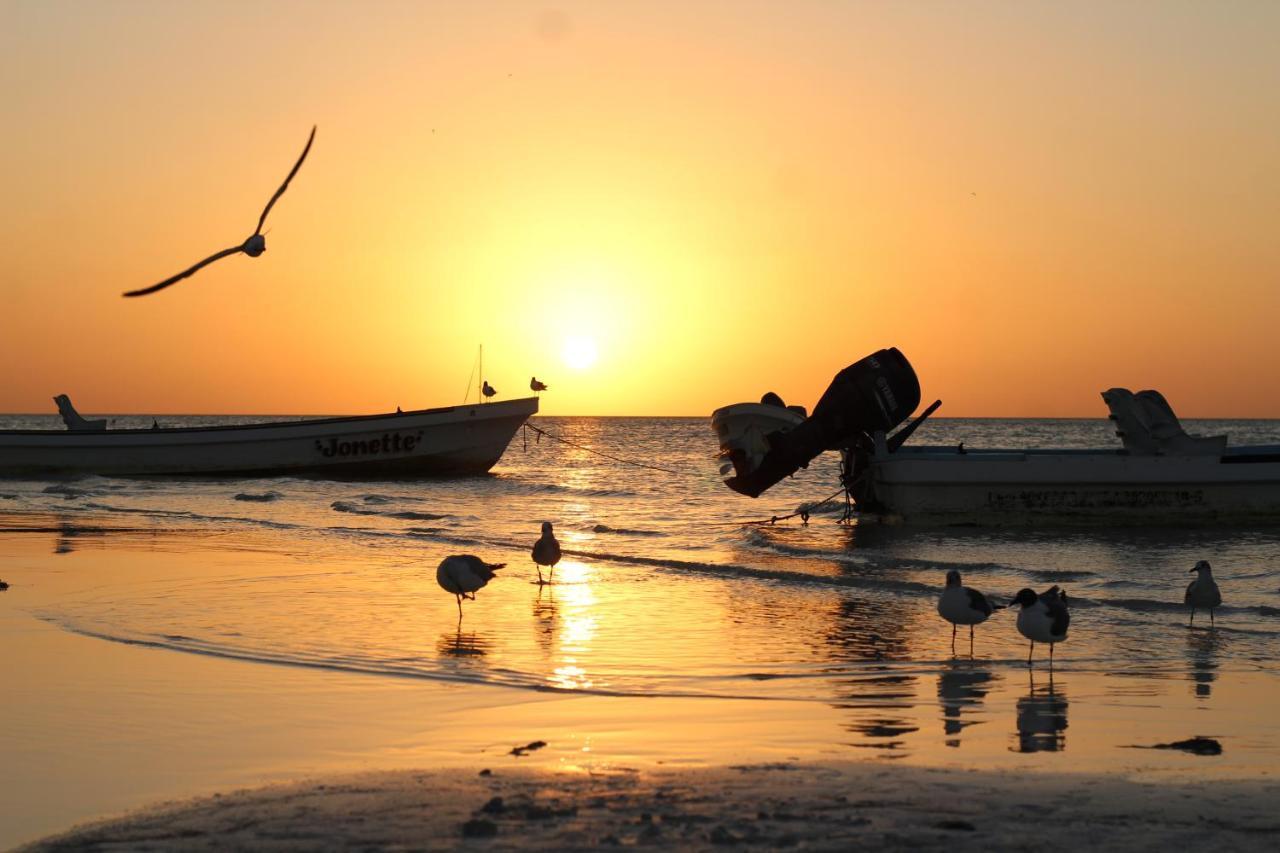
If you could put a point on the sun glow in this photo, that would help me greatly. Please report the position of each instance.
(579, 352)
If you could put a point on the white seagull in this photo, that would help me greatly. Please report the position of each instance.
(1203, 592)
(962, 605)
(255, 245)
(1043, 618)
(463, 574)
(546, 552)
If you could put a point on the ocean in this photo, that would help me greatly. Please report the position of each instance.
(670, 588)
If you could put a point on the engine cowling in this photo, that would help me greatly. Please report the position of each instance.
(874, 394)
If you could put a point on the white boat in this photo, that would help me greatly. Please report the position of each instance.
(1160, 474)
(453, 440)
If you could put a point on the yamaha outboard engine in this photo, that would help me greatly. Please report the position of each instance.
(874, 394)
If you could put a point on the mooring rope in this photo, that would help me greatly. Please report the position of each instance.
(803, 513)
(574, 444)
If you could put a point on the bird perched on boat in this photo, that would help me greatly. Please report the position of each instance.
(488, 390)
(546, 552)
(963, 605)
(463, 574)
(536, 386)
(1203, 592)
(1043, 618)
(253, 246)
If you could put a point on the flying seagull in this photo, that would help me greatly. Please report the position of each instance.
(962, 605)
(255, 245)
(463, 574)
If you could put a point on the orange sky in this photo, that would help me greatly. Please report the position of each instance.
(1033, 201)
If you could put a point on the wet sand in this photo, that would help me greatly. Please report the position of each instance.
(777, 806)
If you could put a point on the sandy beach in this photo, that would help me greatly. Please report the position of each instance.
(770, 806)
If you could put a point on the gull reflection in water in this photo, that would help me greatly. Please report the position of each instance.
(1202, 659)
(962, 685)
(1042, 718)
(546, 618)
(463, 645)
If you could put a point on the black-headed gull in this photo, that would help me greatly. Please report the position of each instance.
(963, 605)
(1044, 618)
(463, 574)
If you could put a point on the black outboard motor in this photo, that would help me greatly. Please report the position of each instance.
(874, 394)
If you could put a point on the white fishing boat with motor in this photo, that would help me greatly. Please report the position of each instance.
(453, 440)
(1159, 474)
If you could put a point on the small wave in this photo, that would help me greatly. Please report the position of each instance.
(1059, 574)
(380, 500)
(496, 677)
(623, 531)
(519, 486)
(259, 497)
(1148, 605)
(407, 515)
(69, 491)
(8, 497)
(191, 516)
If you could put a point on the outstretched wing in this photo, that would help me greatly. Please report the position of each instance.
(180, 276)
(296, 166)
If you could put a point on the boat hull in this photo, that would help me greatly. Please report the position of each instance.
(455, 440)
(995, 487)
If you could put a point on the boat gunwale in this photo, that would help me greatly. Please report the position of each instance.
(305, 422)
(1002, 454)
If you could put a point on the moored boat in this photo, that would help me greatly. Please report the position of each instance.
(1159, 474)
(453, 440)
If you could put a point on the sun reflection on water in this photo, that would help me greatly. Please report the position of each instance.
(566, 615)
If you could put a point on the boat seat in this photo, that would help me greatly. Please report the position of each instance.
(72, 418)
(1147, 426)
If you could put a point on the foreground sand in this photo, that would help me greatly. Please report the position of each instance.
(811, 806)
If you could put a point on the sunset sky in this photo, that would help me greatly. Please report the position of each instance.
(1035, 202)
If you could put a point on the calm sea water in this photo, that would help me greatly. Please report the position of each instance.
(664, 591)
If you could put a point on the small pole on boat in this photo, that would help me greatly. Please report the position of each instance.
(480, 378)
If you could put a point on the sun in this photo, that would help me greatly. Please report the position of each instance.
(579, 352)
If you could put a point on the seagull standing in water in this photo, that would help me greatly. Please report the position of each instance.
(488, 390)
(1043, 618)
(962, 605)
(536, 386)
(546, 552)
(463, 574)
(1203, 592)
(253, 246)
